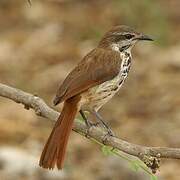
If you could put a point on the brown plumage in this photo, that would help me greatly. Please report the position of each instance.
(54, 150)
(89, 86)
(94, 69)
(79, 80)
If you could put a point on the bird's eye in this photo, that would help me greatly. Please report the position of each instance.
(129, 36)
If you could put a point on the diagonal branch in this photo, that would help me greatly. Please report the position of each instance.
(149, 155)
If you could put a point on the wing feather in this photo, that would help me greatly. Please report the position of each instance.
(98, 66)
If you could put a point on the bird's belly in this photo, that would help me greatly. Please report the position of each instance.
(97, 96)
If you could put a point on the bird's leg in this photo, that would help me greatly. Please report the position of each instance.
(110, 132)
(89, 124)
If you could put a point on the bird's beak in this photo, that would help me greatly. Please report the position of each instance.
(144, 38)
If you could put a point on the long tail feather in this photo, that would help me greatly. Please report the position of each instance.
(55, 148)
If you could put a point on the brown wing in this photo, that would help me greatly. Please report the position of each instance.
(98, 66)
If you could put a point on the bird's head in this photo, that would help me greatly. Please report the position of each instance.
(122, 37)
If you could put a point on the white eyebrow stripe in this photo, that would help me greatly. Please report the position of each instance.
(122, 33)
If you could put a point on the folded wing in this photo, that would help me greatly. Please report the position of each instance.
(98, 66)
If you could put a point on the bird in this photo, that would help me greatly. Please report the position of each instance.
(91, 84)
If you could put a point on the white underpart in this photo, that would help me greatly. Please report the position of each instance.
(115, 47)
(102, 93)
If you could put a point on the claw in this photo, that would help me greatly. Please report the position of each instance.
(110, 133)
(89, 125)
(87, 133)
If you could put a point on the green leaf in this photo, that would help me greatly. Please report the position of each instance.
(154, 177)
(134, 166)
(107, 150)
(80, 119)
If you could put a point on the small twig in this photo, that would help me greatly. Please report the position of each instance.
(29, 2)
(149, 155)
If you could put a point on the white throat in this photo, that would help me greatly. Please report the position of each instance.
(116, 47)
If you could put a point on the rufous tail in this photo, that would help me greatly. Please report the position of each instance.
(55, 148)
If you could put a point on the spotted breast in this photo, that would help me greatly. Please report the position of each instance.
(97, 96)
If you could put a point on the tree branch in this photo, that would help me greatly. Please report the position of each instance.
(149, 155)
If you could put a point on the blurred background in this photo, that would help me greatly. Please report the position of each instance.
(39, 45)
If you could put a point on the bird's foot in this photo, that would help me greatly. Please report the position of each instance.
(109, 133)
(89, 125)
